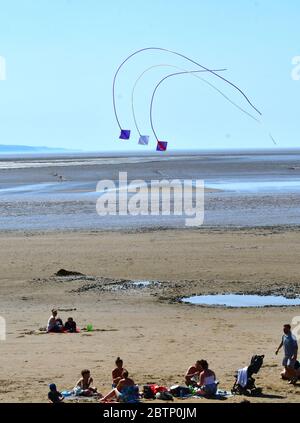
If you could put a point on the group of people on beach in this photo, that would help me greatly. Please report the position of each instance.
(84, 384)
(121, 383)
(124, 388)
(55, 324)
(198, 375)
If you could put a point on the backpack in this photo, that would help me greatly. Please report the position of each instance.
(164, 395)
(180, 391)
(148, 392)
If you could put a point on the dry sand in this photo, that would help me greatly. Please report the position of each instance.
(157, 338)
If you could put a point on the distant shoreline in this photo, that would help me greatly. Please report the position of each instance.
(253, 190)
(57, 153)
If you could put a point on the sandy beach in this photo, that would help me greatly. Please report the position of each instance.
(149, 208)
(157, 337)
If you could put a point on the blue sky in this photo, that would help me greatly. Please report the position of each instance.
(61, 56)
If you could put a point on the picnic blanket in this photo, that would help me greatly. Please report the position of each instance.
(219, 395)
(76, 395)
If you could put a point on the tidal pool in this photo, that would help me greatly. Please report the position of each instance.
(239, 300)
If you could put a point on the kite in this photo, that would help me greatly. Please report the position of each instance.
(162, 145)
(144, 139)
(125, 134)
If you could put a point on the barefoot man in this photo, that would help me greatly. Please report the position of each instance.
(290, 348)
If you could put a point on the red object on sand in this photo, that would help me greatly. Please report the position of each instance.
(156, 388)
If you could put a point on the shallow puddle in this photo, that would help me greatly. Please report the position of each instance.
(239, 300)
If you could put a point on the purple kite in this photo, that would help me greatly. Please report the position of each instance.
(144, 140)
(125, 134)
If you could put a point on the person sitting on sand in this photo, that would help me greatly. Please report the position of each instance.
(121, 389)
(85, 382)
(291, 374)
(70, 325)
(53, 395)
(54, 323)
(117, 372)
(208, 384)
(193, 373)
(290, 346)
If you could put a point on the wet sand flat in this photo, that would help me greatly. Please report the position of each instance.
(253, 188)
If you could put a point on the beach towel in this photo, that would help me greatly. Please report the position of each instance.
(76, 394)
(242, 377)
(62, 331)
(76, 398)
(181, 391)
(219, 395)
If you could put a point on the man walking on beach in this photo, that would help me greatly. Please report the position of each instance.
(290, 347)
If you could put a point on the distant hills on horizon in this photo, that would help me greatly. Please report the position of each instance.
(6, 149)
(16, 149)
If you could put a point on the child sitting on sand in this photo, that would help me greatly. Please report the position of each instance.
(117, 372)
(84, 383)
(70, 325)
(291, 373)
(53, 395)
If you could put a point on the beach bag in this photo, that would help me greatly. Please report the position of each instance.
(180, 391)
(164, 395)
(158, 388)
(148, 392)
